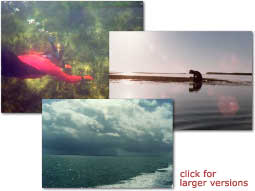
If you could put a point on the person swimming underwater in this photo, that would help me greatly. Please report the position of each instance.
(56, 54)
(36, 65)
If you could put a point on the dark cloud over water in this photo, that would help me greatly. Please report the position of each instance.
(107, 127)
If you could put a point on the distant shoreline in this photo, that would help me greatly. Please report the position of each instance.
(224, 73)
(207, 73)
(161, 78)
(124, 73)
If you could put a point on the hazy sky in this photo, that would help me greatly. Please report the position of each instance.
(178, 52)
(107, 127)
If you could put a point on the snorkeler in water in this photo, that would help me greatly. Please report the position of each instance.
(36, 65)
(57, 52)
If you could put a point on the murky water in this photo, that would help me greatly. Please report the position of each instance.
(73, 36)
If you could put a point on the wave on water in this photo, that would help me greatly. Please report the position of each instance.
(161, 178)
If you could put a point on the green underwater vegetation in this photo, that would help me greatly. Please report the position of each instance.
(82, 28)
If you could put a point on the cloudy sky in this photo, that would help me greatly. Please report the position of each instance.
(107, 127)
(178, 52)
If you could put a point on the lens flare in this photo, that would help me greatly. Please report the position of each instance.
(228, 105)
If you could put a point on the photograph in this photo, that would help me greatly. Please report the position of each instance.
(208, 74)
(59, 49)
(107, 143)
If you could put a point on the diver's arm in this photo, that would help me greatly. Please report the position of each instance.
(71, 78)
(68, 78)
(58, 73)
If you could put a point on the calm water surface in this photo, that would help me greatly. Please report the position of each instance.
(218, 105)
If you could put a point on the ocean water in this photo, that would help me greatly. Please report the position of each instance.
(161, 178)
(68, 171)
(213, 106)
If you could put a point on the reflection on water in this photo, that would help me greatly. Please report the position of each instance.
(195, 86)
(214, 106)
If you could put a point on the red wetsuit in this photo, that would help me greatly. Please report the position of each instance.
(41, 66)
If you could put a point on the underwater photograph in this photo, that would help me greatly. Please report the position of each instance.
(207, 74)
(107, 143)
(59, 49)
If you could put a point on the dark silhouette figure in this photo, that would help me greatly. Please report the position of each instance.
(197, 81)
(197, 76)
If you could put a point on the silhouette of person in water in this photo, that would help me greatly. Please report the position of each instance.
(197, 76)
(36, 65)
(197, 80)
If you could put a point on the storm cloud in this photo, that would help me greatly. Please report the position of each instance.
(107, 127)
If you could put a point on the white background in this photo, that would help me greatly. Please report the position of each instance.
(230, 153)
